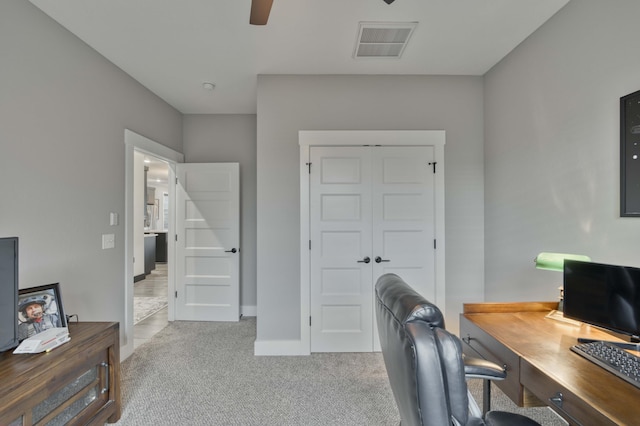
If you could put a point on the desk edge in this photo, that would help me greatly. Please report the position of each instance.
(503, 307)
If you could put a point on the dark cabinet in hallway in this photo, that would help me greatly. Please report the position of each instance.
(149, 253)
(161, 247)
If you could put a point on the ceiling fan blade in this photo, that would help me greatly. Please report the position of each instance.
(260, 11)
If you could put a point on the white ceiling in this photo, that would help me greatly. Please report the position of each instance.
(173, 46)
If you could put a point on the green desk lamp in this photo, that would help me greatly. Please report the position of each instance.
(555, 262)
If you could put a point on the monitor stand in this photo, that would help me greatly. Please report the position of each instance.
(559, 316)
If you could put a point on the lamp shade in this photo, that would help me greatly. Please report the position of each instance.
(555, 261)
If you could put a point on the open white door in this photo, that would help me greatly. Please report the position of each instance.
(207, 246)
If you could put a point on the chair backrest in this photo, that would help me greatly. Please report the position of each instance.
(405, 303)
(424, 362)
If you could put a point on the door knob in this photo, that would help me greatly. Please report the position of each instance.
(379, 259)
(365, 260)
(233, 250)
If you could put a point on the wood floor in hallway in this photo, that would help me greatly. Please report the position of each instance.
(154, 285)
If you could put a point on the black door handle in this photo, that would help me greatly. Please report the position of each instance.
(379, 259)
(365, 260)
(233, 250)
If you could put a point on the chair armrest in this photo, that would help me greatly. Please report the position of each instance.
(476, 368)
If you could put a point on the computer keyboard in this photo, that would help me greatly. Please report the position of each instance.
(612, 358)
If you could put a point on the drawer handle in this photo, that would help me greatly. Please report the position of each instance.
(557, 400)
(468, 339)
(105, 389)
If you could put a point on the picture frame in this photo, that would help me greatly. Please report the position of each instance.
(630, 155)
(39, 308)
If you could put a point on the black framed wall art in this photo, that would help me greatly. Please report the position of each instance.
(630, 154)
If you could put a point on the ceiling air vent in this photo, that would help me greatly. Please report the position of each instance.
(383, 39)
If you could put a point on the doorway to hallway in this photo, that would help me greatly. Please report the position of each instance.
(135, 210)
(150, 305)
(152, 214)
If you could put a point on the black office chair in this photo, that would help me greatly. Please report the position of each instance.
(425, 364)
(475, 368)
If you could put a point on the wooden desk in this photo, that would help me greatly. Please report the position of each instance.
(541, 368)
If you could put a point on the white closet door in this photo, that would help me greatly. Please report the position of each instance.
(403, 234)
(340, 218)
(374, 203)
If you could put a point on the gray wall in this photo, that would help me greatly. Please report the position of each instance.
(231, 138)
(531, 164)
(63, 111)
(287, 104)
(552, 148)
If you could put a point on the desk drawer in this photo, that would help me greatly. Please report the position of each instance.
(477, 343)
(565, 403)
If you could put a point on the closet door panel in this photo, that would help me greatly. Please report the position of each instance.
(340, 218)
(403, 190)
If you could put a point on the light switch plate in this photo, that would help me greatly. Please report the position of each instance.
(108, 241)
(113, 219)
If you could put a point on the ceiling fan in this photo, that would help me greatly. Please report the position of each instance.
(260, 12)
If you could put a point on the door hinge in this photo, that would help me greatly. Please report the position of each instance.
(309, 165)
(434, 243)
(176, 181)
(176, 295)
(309, 244)
(309, 321)
(434, 165)
(176, 237)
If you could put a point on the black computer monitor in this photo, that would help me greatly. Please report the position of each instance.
(607, 296)
(8, 293)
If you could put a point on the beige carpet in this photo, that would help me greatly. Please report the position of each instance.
(205, 373)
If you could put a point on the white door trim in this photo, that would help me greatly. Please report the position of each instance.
(135, 142)
(308, 138)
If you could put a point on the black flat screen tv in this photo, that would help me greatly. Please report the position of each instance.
(607, 296)
(8, 293)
